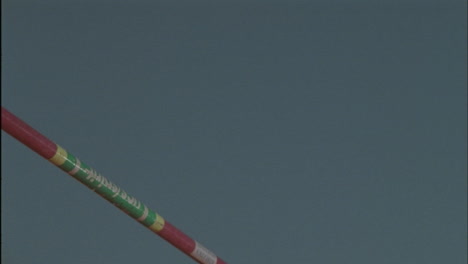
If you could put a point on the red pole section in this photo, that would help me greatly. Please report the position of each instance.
(27, 135)
(102, 186)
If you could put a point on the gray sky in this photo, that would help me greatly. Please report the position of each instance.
(285, 132)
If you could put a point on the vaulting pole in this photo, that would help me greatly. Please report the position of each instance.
(109, 191)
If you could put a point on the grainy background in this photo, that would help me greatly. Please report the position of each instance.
(272, 132)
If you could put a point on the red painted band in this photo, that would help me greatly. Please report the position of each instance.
(27, 135)
(177, 238)
(180, 240)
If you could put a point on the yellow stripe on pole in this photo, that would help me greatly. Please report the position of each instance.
(60, 156)
(158, 225)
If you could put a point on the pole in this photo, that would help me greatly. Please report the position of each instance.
(109, 191)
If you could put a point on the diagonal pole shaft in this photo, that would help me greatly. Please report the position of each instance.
(109, 191)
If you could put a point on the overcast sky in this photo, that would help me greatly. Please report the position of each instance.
(271, 132)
